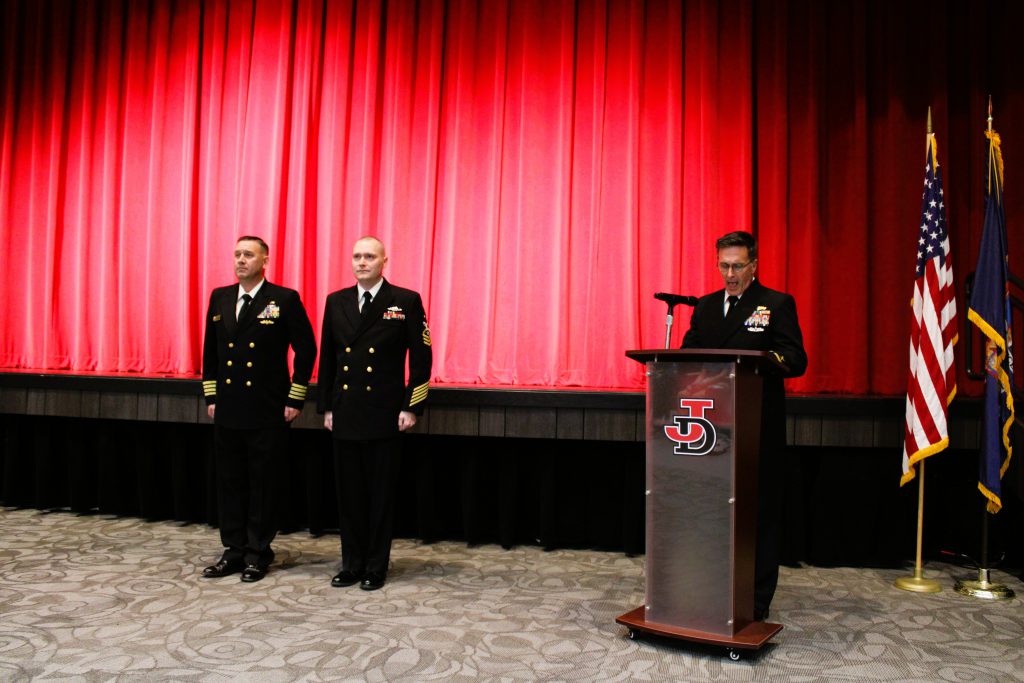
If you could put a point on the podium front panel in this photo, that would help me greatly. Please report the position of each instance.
(690, 456)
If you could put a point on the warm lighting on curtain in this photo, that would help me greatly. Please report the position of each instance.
(537, 169)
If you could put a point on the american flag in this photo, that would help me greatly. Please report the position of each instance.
(931, 384)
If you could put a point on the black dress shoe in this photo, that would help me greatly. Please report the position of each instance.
(252, 573)
(372, 581)
(346, 578)
(222, 568)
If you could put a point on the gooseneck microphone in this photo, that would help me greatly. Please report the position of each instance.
(673, 299)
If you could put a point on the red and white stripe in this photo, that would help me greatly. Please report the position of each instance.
(931, 384)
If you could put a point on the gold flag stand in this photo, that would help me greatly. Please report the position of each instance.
(983, 588)
(917, 583)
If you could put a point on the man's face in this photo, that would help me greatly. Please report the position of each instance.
(250, 260)
(368, 261)
(737, 269)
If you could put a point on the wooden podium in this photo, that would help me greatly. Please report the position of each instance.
(703, 442)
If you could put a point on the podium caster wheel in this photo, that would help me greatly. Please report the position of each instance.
(734, 655)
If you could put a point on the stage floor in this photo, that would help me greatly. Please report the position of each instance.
(96, 597)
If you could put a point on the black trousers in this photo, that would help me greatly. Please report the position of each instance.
(769, 529)
(366, 476)
(250, 472)
(771, 484)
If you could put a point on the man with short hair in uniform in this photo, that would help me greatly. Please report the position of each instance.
(747, 315)
(369, 331)
(252, 400)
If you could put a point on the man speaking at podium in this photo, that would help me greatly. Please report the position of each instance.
(747, 315)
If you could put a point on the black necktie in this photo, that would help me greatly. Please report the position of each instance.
(246, 300)
(366, 304)
(732, 303)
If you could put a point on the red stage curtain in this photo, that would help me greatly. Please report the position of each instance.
(537, 168)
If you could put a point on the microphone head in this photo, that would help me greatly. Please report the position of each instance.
(673, 299)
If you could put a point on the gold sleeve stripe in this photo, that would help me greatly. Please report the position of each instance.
(426, 337)
(210, 387)
(298, 392)
(419, 394)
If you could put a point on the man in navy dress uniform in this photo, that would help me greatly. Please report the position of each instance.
(369, 331)
(252, 400)
(747, 315)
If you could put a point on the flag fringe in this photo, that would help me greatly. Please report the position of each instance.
(1004, 382)
(995, 149)
(994, 505)
(920, 455)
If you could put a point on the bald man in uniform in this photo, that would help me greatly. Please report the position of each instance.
(369, 331)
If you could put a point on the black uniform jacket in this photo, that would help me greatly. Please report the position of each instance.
(763, 320)
(245, 363)
(362, 361)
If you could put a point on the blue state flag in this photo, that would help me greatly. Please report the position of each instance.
(990, 312)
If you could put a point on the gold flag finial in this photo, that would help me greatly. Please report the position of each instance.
(929, 120)
(989, 113)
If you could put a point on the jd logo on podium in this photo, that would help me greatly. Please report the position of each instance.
(692, 432)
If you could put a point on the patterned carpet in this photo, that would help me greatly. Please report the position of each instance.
(101, 599)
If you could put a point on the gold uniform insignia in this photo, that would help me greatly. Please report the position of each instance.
(271, 311)
(419, 394)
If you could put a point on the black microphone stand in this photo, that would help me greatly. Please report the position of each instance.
(671, 300)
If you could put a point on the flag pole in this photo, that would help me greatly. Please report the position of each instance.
(983, 587)
(917, 583)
